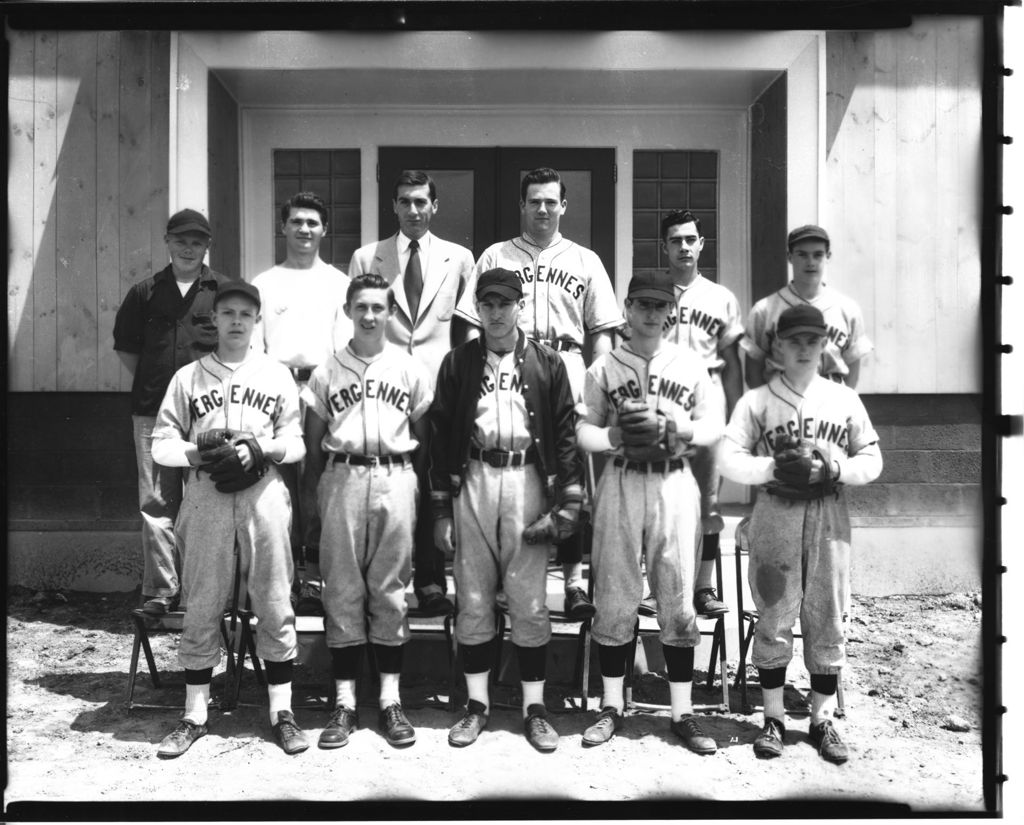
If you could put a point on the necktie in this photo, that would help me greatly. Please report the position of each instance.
(413, 279)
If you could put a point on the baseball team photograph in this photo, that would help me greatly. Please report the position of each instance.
(571, 505)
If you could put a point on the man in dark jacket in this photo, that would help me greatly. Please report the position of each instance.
(506, 481)
(164, 323)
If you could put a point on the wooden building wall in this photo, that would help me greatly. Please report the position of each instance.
(87, 198)
(903, 198)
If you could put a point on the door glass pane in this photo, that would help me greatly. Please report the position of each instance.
(454, 218)
(575, 223)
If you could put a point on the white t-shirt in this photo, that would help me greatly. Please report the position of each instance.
(303, 317)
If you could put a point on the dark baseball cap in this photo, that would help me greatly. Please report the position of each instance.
(810, 232)
(655, 286)
(502, 282)
(800, 318)
(240, 287)
(188, 220)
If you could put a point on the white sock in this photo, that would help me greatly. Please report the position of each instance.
(197, 699)
(573, 573)
(773, 703)
(821, 707)
(533, 694)
(345, 691)
(704, 574)
(681, 697)
(280, 699)
(389, 690)
(478, 686)
(611, 692)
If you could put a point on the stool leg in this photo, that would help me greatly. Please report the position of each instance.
(449, 636)
(154, 674)
(134, 670)
(585, 653)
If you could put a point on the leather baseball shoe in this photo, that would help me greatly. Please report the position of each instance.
(578, 605)
(310, 602)
(539, 732)
(826, 739)
(648, 607)
(467, 729)
(689, 730)
(180, 739)
(706, 603)
(435, 604)
(609, 720)
(159, 605)
(289, 735)
(769, 742)
(396, 727)
(342, 723)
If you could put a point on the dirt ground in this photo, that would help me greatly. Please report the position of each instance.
(913, 696)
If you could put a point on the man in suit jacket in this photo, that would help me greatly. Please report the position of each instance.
(429, 278)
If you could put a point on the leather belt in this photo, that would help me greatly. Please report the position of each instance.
(372, 460)
(504, 458)
(561, 345)
(669, 466)
(301, 373)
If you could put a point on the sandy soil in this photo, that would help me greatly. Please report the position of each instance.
(913, 722)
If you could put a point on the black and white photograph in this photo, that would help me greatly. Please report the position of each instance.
(539, 410)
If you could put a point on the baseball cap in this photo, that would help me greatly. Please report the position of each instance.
(809, 232)
(188, 220)
(239, 287)
(800, 318)
(502, 282)
(656, 286)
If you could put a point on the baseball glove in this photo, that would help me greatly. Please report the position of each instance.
(639, 424)
(553, 526)
(793, 465)
(226, 468)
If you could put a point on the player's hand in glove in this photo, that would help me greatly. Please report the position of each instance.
(641, 426)
(444, 536)
(237, 464)
(553, 526)
(792, 464)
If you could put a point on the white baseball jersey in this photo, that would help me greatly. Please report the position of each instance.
(256, 395)
(565, 286)
(673, 382)
(369, 404)
(706, 319)
(303, 320)
(502, 420)
(827, 417)
(846, 344)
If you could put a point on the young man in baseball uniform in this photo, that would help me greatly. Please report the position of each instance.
(846, 342)
(164, 323)
(647, 406)
(566, 293)
(303, 324)
(241, 406)
(506, 480)
(802, 438)
(705, 318)
(430, 279)
(365, 422)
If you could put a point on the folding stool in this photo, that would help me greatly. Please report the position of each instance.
(648, 627)
(145, 626)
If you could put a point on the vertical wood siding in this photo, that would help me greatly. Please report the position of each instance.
(903, 199)
(87, 198)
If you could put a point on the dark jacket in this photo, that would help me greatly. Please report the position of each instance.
(549, 404)
(166, 330)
